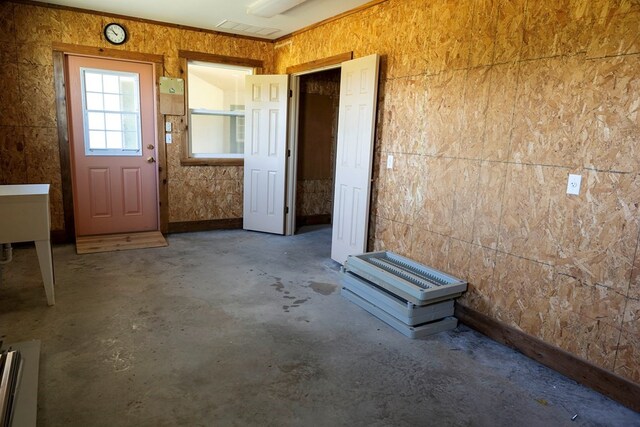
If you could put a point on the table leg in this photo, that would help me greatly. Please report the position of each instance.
(43, 249)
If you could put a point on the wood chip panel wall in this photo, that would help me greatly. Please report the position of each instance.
(487, 106)
(28, 136)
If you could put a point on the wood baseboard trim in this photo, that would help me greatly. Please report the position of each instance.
(205, 225)
(301, 221)
(60, 236)
(586, 373)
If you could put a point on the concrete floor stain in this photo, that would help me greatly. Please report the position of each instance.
(323, 288)
(211, 346)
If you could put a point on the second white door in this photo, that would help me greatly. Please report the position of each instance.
(354, 156)
(265, 153)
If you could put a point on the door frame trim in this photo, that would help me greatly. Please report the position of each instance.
(292, 145)
(60, 50)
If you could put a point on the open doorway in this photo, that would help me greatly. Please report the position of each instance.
(319, 96)
(354, 136)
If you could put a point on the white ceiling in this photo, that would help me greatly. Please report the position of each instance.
(208, 14)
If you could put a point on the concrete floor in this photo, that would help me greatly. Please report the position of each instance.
(240, 328)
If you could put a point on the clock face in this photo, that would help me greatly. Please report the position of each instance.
(115, 33)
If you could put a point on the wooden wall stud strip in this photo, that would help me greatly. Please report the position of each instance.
(616, 387)
(63, 145)
(161, 150)
(205, 225)
(59, 237)
(320, 63)
(301, 221)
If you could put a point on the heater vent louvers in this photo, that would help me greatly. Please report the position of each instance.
(412, 281)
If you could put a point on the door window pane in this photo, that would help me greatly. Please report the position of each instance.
(128, 103)
(111, 84)
(94, 101)
(130, 140)
(96, 121)
(93, 82)
(111, 106)
(112, 102)
(114, 139)
(97, 140)
(113, 121)
(129, 122)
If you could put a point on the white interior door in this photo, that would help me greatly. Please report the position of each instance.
(354, 155)
(265, 152)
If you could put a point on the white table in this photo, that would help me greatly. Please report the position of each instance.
(24, 217)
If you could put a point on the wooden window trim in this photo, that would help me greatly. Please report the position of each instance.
(222, 59)
(185, 56)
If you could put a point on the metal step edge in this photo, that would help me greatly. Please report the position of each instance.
(395, 306)
(414, 332)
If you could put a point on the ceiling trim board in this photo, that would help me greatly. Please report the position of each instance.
(220, 59)
(320, 63)
(328, 20)
(77, 49)
(198, 29)
(143, 20)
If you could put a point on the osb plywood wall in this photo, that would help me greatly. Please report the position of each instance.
(28, 132)
(487, 106)
(314, 196)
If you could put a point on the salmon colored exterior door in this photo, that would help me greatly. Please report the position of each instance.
(113, 139)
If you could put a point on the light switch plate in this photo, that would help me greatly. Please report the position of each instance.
(167, 138)
(167, 126)
(573, 184)
(390, 161)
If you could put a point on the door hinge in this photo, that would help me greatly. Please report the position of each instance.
(286, 209)
(288, 153)
(290, 93)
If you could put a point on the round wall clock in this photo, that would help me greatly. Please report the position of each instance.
(115, 33)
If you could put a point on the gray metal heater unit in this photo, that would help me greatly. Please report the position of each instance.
(414, 299)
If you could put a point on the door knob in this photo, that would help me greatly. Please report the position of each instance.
(151, 160)
(150, 147)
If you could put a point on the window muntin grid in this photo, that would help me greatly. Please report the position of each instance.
(111, 110)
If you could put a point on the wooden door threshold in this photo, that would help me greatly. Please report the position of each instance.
(119, 242)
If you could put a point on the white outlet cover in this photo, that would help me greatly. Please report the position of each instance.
(167, 138)
(167, 127)
(573, 184)
(390, 161)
